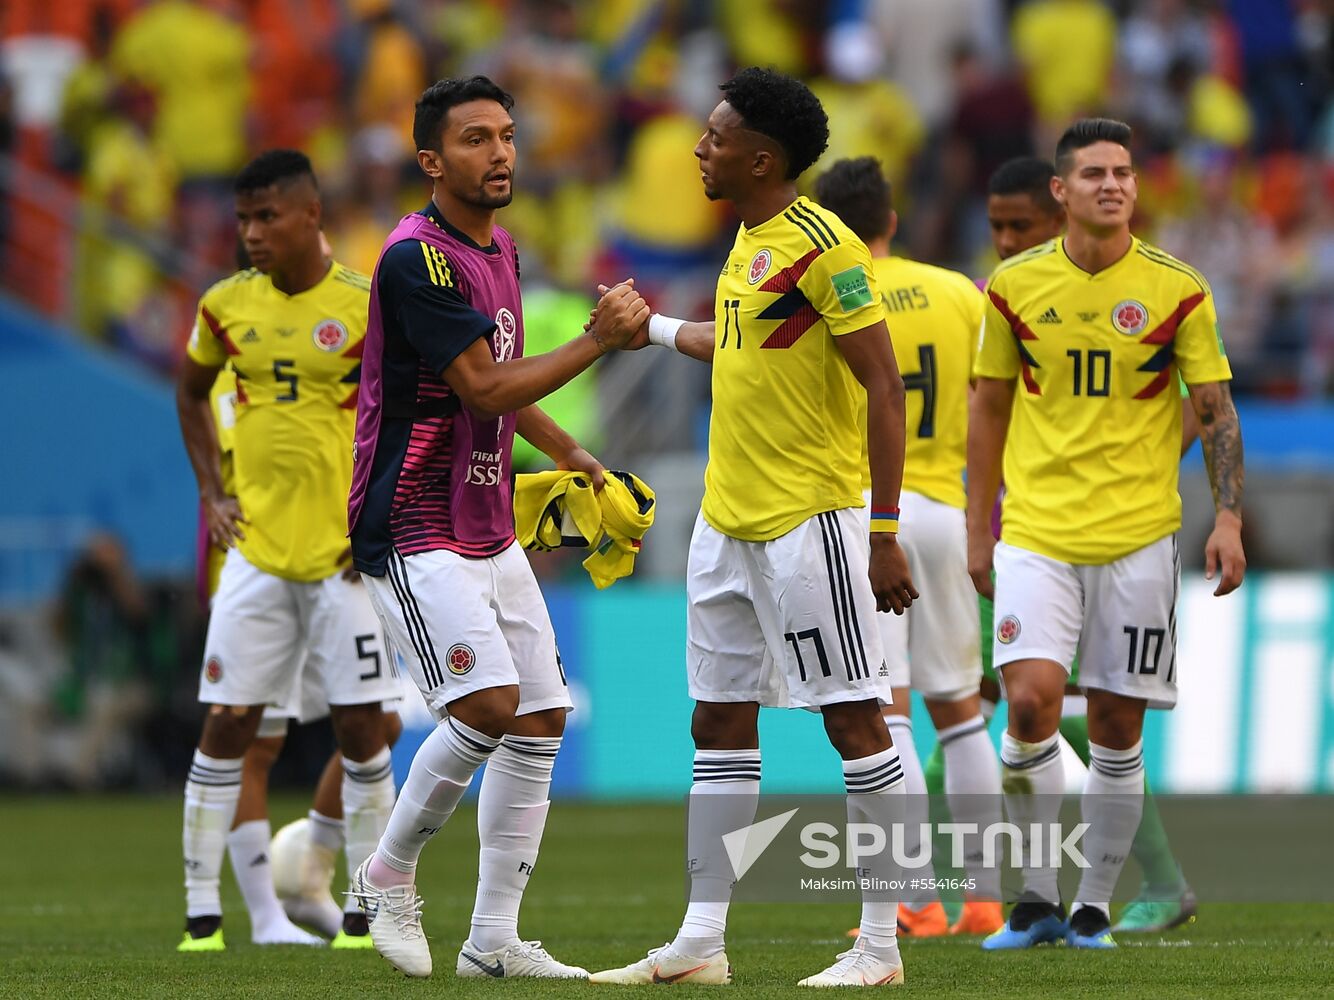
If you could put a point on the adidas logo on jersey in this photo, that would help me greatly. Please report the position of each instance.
(251, 337)
(1050, 316)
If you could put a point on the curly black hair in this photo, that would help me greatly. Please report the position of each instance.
(274, 166)
(785, 110)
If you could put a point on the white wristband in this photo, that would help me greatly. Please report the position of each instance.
(662, 330)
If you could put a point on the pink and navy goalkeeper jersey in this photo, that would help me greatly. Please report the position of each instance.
(429, 474)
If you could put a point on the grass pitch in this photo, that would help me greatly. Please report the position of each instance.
(92, 907)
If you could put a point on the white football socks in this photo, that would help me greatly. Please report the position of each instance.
(876, 796)
(973, 791)
(368, 798)
(723, 798)
(248, 848)
(440, 774)
(511, 816)
(1034, 781)
(211, 793)
(1113, 804)
(916, 813)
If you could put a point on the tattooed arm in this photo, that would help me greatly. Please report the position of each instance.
(1220, 437)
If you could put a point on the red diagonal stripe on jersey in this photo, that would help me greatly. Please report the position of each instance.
(1021, 332)
(218, 331)
(1167, 329)
(357, 350)
(1159, 383)
(790, 330)
(786, 279)
(351, 402)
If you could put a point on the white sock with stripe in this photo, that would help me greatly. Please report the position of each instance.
(211, 793)
(916, 814)
(1113, 803)
(973, 791)
(1034, 781)
(440, 774)
(723, 798)
(368, 799)
(511, 816)
(876, 795)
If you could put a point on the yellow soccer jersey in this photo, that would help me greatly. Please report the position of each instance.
(297, 360)
(1095, 435)
(934, 316)
(785, 437)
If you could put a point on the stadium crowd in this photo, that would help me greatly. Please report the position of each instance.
(123, 121)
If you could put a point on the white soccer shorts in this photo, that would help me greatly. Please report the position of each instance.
(264, 632)
(787, 623)
(465, 625)
(934, 647)
(1120, 617)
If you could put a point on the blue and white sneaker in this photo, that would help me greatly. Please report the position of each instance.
(1033, 921)
(1089, 928)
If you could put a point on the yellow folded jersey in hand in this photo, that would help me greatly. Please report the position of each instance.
(555, 509)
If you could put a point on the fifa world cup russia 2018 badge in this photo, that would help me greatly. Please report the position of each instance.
(759, 266)
(1130, 317)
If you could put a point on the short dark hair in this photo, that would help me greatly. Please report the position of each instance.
(1086, 132)
(439, 97)
(785, 110)
(858, 193)
(1030, 175)
(274, 166)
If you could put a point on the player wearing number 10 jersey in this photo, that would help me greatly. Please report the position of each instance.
(291, 329)
(1077, 370)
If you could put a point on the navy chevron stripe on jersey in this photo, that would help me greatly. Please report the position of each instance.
(785, 306)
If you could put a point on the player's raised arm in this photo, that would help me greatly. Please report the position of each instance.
(871, 360)
(988, 423)
(222, 512)
(490, 388)
(1220, 438)
(536, 427)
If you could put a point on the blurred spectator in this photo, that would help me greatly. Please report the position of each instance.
(1274, 72)
(128, 184)
(920, 38)
(1066, 48)
(102, 619)
(392, 75)
(295, 70)
(868, 115)
(361, 217)
(1235, 250)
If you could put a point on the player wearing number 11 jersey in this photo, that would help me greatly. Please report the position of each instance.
(1077, 370)
(291, 329)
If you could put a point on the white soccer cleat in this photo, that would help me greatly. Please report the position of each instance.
(395, 919)
(858, 967)
(520, 960)
(667, 966)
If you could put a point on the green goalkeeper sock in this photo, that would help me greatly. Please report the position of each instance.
(1153, 851)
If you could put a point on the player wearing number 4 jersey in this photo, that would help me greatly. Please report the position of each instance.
(291, 328)
(934, 315)
(783, 581)
(1081, 346)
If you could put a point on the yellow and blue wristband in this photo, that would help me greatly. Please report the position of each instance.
(884, 519)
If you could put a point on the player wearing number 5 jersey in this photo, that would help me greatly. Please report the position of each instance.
(934, 316)
(291, 328)
(1077, 370)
